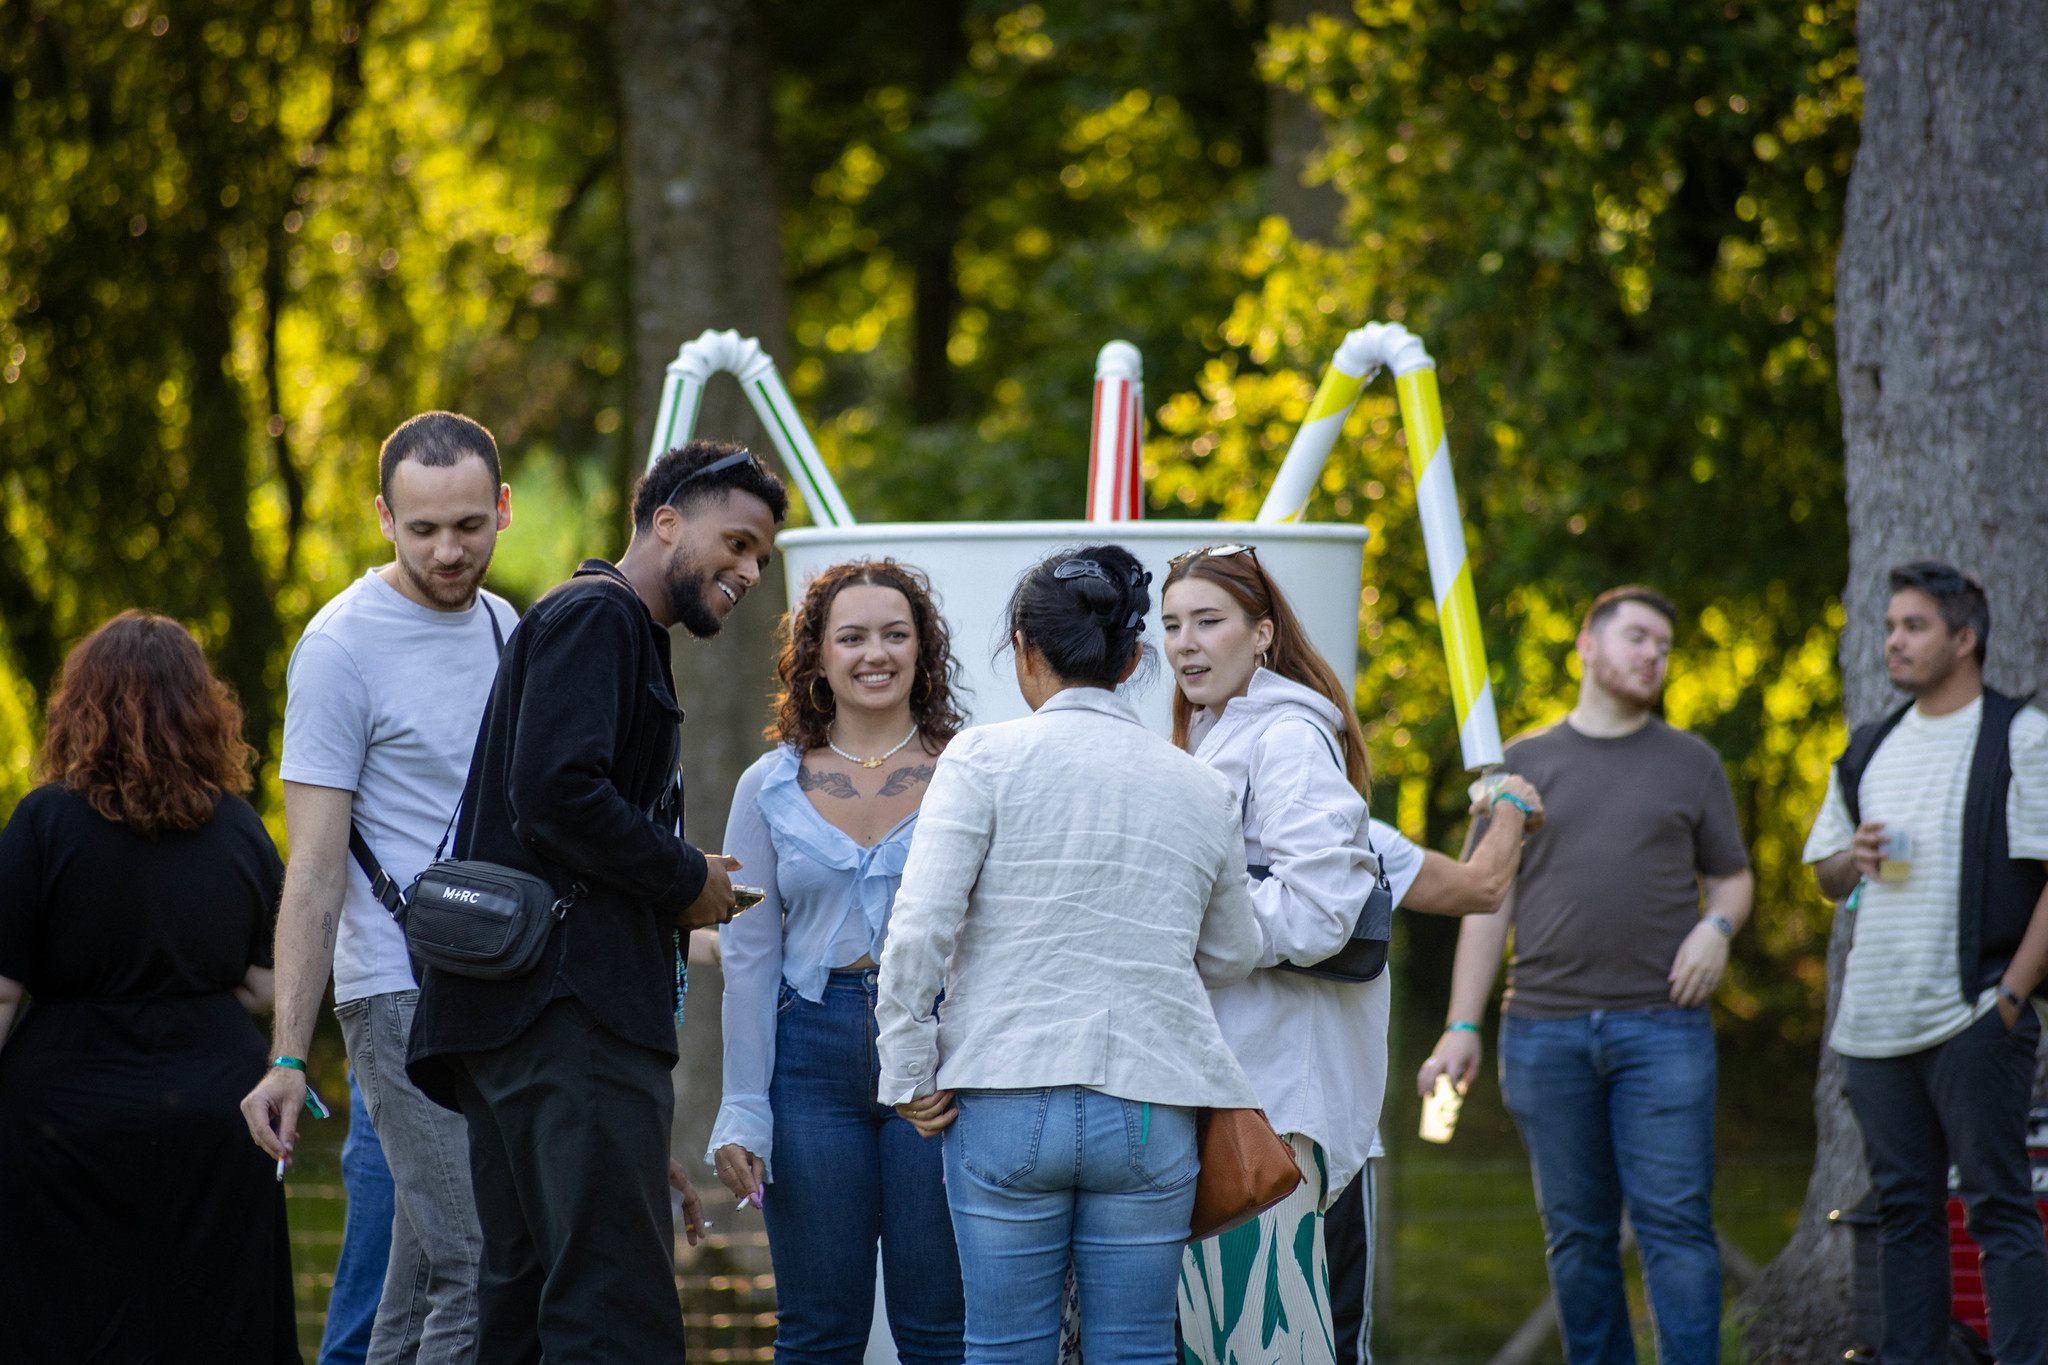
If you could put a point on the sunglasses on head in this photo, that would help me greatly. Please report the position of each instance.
(1211, 552)
(722, 463)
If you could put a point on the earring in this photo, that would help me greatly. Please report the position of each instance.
(922, 677)
(829, 705)
(1262, 661)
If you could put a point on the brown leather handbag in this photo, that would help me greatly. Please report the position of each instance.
(1246, 1169)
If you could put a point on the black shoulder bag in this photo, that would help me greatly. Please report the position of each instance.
(472, 918)
(1364, 956)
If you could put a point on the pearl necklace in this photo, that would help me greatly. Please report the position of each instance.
(871, 762)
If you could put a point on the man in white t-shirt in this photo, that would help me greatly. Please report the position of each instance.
(1936, 819)
(383, 698)
(1425, 880)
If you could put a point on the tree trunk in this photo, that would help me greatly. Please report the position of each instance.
(1294, 134)
(706, 249)
(1942, 340)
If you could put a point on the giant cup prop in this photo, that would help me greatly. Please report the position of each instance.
(1358, 359)
(974, 566)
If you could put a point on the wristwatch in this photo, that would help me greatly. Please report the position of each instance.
(1723, 926)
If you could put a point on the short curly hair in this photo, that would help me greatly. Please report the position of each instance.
(799, 720)
(669, 473)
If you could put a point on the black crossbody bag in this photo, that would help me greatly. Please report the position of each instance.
(1364, 957)
(465, 916)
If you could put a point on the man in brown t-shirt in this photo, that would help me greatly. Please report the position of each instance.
(1607, 1050)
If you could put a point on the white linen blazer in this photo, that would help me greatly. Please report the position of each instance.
(1074, 883)
(1315, 1050)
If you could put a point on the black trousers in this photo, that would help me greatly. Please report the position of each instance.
(568, 1147)
(1348, 1243)
(1965, 1101)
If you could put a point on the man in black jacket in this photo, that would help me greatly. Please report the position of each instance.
(563, 1073)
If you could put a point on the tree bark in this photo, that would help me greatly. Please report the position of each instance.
(706, 251)
(1294, 134)
(1942, 357)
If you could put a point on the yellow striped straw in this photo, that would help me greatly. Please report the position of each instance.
(1358, 359)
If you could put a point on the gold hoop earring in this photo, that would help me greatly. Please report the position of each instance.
(826, 707)
(922, 677)
(1262, 660)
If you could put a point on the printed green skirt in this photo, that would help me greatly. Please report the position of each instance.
(1260, 1293)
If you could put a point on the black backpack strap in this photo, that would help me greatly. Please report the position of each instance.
(1856, 757)
(382, 886)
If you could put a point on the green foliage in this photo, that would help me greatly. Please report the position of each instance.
(240, 240)
(1614, 226)
(1103, 153)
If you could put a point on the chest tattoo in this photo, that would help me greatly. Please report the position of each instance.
(903, 779)
(832, 784)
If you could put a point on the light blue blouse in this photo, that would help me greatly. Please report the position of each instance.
(827, 906)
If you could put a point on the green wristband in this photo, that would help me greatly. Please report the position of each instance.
(1460, 1026)
(1517, 802)
(297, 1064)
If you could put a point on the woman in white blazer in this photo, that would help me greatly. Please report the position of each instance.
(1258, 705)
(1075, 883)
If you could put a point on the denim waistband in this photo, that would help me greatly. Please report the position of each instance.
(862, 977)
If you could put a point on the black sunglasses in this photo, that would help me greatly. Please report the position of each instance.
(725, 462)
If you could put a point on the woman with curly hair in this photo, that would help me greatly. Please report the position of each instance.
(823, 824)
(137, 892)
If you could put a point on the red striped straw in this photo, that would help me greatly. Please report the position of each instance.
(1116, 436)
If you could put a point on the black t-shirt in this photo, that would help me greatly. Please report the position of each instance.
(91, 909)
(1610, 886)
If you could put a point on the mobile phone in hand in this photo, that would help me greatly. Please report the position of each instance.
(746, 897)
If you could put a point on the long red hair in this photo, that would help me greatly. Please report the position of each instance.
(1292, 655)
(141, 728)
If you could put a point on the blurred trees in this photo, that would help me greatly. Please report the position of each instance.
(1614, 225)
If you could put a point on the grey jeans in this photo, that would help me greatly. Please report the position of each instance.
(428, 1314)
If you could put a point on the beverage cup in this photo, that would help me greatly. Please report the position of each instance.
(1897, 862)
(1440, 1111)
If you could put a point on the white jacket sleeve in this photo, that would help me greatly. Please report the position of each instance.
(1308, 816)
(750, 951)
(1230, 944)
(954, 828)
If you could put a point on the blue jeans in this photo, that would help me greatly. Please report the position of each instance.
(1614, 1106)
(849, 1171)
(1040, 1177)
(365, 1239)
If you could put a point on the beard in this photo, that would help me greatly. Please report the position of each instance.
(447, 596)
(1622, 683)
(688, 585)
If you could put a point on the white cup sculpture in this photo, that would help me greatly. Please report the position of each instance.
(974, 566)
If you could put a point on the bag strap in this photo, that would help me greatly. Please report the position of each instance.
(382, 886)
(1244, 806)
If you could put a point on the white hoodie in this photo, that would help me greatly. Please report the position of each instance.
(1316, 1051)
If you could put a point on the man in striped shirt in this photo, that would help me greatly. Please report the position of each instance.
(1936, 819)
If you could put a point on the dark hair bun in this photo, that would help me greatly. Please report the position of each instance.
(1084, 612)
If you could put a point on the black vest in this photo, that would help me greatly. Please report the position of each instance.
(1995, 894)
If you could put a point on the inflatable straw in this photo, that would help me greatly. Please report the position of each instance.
(1358, 359)
(1116, 436)
(742, 357)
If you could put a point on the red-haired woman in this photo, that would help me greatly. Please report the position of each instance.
(1255, 701)
(823, 823)
(137, 891)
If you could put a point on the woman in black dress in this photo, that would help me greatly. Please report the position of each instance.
(137, 890)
